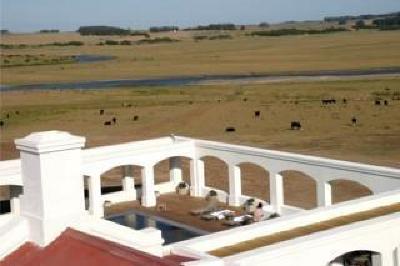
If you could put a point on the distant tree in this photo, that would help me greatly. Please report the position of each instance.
(102, 30)
(228, 26)
(264, 25)
(111, 42)
(342, 22)
(125, 42)
(164, 28)
(49, 31)
(360, 23)
(3, 32)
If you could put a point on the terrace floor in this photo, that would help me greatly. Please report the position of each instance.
(177, 209)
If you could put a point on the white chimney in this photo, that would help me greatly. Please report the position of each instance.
(53, 195)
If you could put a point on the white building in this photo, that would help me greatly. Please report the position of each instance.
(53, 167)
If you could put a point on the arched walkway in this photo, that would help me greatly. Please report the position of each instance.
(255, 181)
(162, 170)
(344, 190)
(113, 179)
(299, 189)
(216, 173)
(359, 258)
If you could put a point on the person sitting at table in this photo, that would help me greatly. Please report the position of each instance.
(259, 213)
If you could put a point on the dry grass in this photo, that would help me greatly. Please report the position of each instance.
(242, 55)
(304, 230)
(162, 111)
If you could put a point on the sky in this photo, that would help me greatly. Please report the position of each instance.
(33, 15)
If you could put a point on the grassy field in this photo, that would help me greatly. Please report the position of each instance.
(240, 55)
(205, 111)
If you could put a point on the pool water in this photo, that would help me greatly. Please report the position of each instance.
(171, 232)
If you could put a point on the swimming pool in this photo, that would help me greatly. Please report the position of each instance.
(171, 231)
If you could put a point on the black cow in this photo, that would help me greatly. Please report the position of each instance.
(354, 121)
(230, 129)
(377, 102)
(17, 112)
(386, 102)
(328, 101)
(257, 114)
(107, 123)
(102, 112)
(136, 118)
(295, 125)
(114, 120)
(2, 123)
(7, 116)
(344, 101)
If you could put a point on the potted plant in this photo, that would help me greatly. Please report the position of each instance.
(182, 188)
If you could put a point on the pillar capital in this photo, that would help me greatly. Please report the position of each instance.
(49, 141)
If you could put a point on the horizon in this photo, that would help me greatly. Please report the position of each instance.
(19, 16)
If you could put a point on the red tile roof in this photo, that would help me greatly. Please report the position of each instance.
(76, 248)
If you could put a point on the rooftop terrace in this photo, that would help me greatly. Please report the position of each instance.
(304, 230)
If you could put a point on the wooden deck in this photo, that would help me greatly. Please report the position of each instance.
(304, 230)
(178, 208)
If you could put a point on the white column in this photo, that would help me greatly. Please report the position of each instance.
(383, 259)
(96, 204)
(324, 194)
(197, 181)
(235, 185)
(276, 191)
(51, 170)
(397, 256)
(148, 193)
(15, 205)
(175, 170)
(128, 182)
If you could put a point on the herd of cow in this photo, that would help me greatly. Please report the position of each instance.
(113, 121)
(294, 125)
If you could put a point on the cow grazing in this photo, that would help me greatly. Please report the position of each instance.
(344, 101)
(136, 118)
(295, 125)
(377, 102)
(2, 123)
(354, 121)
(17, 112)
(230, 129)
(328, 101)
(257, 114)
(386, 102)
(107, 123)
(114, 120)
(102, 112)
(245, 99)
(7, 116)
